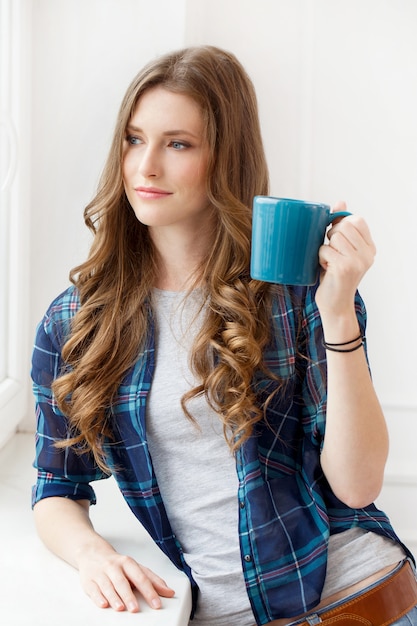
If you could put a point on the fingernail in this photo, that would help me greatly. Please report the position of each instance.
(156, 603)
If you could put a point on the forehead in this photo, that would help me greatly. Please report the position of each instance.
(158, 107)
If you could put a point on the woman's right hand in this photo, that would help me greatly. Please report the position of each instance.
(109, 578)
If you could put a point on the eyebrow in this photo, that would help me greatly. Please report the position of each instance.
(167, 133)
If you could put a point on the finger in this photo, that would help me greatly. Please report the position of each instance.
(349, 242)
(339, 206)
(104, 594)
(339, 242)
(159, 583)
(97, 597)
(149, 584)
(339, 261)
(122, 593)
(355, 230)
(330, 257)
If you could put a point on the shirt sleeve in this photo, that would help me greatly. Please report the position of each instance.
(61, 472)
(314, 386)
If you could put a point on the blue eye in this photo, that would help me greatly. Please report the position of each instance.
(179, 145)
(133, 140)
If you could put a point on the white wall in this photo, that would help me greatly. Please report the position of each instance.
(85, 53)
(337, 87)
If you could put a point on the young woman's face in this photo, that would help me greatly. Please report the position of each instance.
(165, 161)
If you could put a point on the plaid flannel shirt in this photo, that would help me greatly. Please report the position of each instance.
(286, 507)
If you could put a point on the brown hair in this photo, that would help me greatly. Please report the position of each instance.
(115, 282)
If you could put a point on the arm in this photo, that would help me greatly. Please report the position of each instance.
(356, 442)
(107, 577)
(63, 521)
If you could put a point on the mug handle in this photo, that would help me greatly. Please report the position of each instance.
(333, 216)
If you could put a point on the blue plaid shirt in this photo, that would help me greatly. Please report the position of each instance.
(287, 509)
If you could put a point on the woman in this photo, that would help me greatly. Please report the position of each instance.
(250, 447)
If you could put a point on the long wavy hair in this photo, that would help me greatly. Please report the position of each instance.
(115, 283)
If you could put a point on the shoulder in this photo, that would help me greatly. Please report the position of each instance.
(56, 323)
(64, 306)
(51, 334)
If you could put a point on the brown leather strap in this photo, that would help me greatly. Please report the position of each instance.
(380, 606)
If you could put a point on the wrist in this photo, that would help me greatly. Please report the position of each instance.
(91, 547)
(341, 329)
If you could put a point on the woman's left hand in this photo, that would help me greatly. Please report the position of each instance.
(344, 261)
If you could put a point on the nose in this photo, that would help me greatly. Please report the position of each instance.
(149, 163)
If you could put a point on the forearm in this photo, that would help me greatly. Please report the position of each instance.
(65, 528)
(107, 577)
(356, 440)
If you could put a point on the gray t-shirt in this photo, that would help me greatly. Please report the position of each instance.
(197, 477)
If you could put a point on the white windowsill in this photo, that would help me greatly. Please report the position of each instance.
(39, 589)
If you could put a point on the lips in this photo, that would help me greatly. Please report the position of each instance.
(151, 193)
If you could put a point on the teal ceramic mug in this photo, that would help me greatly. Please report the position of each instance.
(286, 237)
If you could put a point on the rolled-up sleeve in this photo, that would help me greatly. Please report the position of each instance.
(61, 471)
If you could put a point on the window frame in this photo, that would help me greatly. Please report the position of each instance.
(15, 41)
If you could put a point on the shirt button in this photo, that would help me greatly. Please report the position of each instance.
(242, 504)
(247, 558)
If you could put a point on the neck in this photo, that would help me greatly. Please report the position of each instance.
(180, 257)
